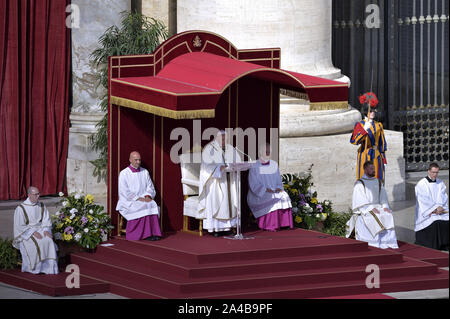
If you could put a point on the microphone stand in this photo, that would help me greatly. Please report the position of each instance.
(239, 235)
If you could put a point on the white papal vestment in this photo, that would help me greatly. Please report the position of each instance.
(218, 196)
(38, 255)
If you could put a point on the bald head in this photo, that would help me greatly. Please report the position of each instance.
(33, 194)
(135, 159)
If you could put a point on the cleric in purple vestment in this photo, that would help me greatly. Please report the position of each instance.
(267, 200)
(136, 204)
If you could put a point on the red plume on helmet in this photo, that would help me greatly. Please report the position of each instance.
(370, 98)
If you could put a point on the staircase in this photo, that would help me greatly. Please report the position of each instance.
(289, 264)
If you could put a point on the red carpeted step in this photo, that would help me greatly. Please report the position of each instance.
(345, 288)
(52, 285)
(423, 253)
(184, 269)
(223, 250)
(119, 271)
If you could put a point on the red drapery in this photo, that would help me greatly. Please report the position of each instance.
(35, 47)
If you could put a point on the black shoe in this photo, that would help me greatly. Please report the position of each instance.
(152, 238)
(216, 234)
(156, 238)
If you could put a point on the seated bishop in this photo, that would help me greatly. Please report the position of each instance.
(269, 203)
(136, 202)
(33, 236)
(431, 220)
(372, 220)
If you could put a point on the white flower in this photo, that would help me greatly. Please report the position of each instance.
(72, 216)
(58, 236)
(86, 230)
(77, 196)
(317, 215)
(307, 205)
(57, 213)
(61, 194)
(326, 202)
(77, 236)
(73, 211)
(295, 209)
(64, 203)
(91, 211)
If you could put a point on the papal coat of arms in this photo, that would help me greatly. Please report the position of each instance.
(197, 43)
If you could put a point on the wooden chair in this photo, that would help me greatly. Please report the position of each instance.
(190, 180)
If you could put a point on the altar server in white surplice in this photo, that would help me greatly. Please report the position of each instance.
(136, 201)
(218, 196)
(372, 218)
(33, 236)
(431, 223)
(266, 197)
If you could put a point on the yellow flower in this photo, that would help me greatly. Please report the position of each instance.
(90, 218)
(67, 237)
(286, 186)
(59, 226)
(68, 220)
(89, 198)
(314, 200)
(298, 219)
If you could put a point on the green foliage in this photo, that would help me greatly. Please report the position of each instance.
(138, 34)
(9, 256)
(335, 223)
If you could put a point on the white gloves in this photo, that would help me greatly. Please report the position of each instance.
(367, 124)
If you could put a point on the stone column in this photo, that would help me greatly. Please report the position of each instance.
(94, 18)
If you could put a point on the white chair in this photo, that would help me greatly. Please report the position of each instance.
(190, 180)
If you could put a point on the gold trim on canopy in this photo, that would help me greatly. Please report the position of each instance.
(160, 111)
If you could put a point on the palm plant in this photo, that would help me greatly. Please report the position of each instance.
(137, 35)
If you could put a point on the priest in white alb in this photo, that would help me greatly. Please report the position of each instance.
(136, 201)
(266, 197)
(372, 220)
(218, 194)
(431, 220)
(33, 236)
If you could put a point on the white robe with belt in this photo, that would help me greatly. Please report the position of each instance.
(378, 230)
(430, 196)
(131, 187)
(218, 195)
(38, 255)
(260, 178)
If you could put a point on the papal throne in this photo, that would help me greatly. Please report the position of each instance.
(190, 180)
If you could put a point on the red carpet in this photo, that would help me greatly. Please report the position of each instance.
(287, 264)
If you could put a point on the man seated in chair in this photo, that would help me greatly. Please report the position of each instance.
(266, 197)
(372, 219)
(136, 202)
(218, 197)
(33, 236)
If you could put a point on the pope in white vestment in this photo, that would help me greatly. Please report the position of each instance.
(218, 195)
(431, 218)
(32, 236)
(372, 218)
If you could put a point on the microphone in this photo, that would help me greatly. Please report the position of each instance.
(243, 153)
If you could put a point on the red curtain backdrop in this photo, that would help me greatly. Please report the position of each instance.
(35, 58)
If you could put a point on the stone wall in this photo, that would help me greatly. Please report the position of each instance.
(95, 18)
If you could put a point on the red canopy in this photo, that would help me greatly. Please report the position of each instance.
(190, 85)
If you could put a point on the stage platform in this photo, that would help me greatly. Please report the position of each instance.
(287, 264)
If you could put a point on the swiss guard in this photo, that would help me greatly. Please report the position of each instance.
(369, 135)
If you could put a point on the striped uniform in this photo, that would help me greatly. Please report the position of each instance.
(375, 149)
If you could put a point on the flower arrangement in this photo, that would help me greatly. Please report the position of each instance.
(307, 211)
(81, 222)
